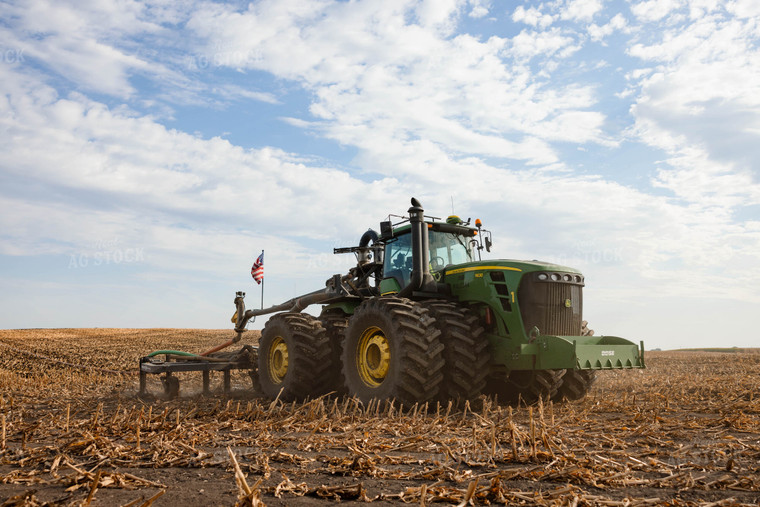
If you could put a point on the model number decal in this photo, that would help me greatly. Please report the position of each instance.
(608, 353)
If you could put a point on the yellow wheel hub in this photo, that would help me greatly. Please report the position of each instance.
(278, 360)
(373, 356)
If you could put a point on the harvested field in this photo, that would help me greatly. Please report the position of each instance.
(686, 431)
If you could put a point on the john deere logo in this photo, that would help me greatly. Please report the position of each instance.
(568, 303)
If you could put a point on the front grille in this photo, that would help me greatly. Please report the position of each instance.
(554, 307)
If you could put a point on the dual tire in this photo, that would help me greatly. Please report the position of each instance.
(466, 351)
(392, 349)
(335, 321)
(294, 360)
(389, 349)
(395, 348)
(414, 352)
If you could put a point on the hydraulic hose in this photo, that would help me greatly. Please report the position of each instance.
(222, 346)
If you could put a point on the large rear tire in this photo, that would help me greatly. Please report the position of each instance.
(392, 351)
(335, 323)
(294, 357)
(466, 351)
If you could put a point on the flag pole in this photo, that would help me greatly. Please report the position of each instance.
(262, 284)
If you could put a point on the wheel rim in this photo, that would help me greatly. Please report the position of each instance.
(278, 360)
(373, 357)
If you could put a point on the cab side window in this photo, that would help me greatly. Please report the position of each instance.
(398, 260)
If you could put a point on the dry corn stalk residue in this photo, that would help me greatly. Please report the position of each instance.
(685, 431)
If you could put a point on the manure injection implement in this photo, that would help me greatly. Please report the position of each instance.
(420, 318)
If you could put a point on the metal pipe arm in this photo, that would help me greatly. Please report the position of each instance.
(292, 305)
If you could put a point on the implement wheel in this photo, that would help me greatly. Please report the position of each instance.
(392, 350)
(294, 357)
(171, 386)
(466, 351)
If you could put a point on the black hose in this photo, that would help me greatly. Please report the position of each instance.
(368, 236)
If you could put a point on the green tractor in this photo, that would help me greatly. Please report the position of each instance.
(420, 319)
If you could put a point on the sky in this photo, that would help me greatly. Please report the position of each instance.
(149, 151)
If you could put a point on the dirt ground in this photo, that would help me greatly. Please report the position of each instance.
(685, 431)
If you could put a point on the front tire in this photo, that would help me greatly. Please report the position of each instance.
(392, 351)
(532, 385)
(294, 357)
(576, 384)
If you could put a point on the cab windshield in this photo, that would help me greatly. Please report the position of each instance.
(447, 248)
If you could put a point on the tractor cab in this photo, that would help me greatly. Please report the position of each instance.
(448, 243)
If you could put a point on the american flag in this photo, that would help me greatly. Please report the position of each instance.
(257, 270)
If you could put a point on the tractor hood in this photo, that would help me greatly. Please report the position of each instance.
(519, 266)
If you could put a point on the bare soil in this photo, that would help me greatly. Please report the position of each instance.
(685, 431)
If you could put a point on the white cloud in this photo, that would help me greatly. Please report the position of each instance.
(235, 92)
(581, 10)
(479, 8)
(616, 24)
(700, 8)
(654, 10)
(569, 10)
(461, 94)
(700, 106)
(78, 41)
(532, 17)
(743, 8)
(528, 44)
(439, 15)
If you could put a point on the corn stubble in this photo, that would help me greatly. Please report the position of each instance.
(685, 431)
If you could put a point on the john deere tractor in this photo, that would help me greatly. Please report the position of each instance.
(421, 318)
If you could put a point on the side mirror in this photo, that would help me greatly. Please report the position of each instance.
(488, 245)
(386, 229)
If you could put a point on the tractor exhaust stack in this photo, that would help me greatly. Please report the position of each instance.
(421, 279)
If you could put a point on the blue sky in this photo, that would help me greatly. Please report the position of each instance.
(151, 150)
